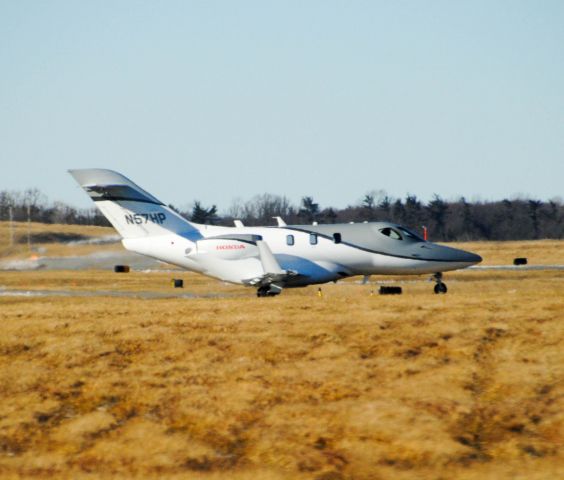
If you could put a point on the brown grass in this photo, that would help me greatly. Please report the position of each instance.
(538, 252)
(345, 386)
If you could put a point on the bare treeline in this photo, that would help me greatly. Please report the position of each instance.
(516, 219)
(33, 205)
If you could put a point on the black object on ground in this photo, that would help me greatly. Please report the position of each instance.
(390, 290)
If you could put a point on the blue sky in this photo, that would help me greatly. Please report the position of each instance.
(214, 100)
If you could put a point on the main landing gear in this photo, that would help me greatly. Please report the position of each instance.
(440, 287)
(268, 291)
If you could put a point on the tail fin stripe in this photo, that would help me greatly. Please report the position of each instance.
(100, 193)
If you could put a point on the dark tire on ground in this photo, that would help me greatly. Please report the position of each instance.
(440, 288)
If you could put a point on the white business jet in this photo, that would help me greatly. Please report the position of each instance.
(267, 258)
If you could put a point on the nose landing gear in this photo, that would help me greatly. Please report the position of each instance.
(440, 287)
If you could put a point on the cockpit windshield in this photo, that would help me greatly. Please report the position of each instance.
(409, 234)
(400, 233)
(391, 232)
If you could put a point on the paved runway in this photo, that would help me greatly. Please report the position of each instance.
(96, 261)
(9, 292)
(517, 268)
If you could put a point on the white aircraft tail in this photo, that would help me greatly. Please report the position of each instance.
(132, 211)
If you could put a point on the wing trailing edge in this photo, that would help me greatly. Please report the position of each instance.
(273, 274)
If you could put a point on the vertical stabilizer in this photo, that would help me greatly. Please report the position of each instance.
(132, 211)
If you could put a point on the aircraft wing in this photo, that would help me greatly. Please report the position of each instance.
(270, 278)
(273, 273)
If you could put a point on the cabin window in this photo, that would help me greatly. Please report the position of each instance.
(313, 238)
(337, 238)
(390, 232)
(290, 239)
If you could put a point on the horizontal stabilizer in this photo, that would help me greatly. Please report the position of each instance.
(103, 184)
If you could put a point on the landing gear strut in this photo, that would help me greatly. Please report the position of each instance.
(440, 287)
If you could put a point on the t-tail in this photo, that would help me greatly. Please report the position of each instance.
(132, 211)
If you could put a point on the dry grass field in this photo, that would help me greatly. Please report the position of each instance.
(20, 248)
(469, 385)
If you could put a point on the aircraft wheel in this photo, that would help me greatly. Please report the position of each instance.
(265, 292)
(440, 288)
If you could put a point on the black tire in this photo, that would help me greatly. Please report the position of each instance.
(440, 288)
(262, 292)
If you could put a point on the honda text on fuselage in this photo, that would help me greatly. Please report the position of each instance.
(268, 258)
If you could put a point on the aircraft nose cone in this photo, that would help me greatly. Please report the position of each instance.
(442, 253)
(469, 257)
(449, 254)
(462, 256)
